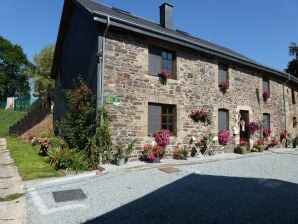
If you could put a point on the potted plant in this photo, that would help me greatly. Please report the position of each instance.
(195, 115)
(295, 142)
(180, 154)
(120, 156)
(240, 149)
(224, 86)
(224, 137)
(163, 76)
(200, 115)
(153, 153)
(253, 127)
(266, 95)
(273, 143)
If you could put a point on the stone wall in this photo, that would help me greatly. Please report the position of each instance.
(196, 87)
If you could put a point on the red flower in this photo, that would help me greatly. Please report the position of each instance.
(266, 133)
(266, 95)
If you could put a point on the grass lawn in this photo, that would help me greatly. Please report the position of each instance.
(29, 163)
(7, 119)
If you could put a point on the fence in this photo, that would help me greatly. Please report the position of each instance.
(22, 103)
(37, 113)
(3, 104)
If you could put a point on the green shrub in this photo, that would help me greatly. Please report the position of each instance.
(295, 142)
(67, 159)
(261, 148)
(84, 129)
(254, 149)
(44, 144)
(240, 149)
(180, 154)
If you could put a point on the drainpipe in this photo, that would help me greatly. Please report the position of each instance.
(284, 96)
(100, 70)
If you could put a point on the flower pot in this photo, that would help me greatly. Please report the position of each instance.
(120, 161)
(156, 160)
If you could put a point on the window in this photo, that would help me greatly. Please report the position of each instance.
(222, 73)
(161, 116)
(160, 60)
(293, 97)
(223, 119)
(266, 121)
(266, 87)
(294, 122)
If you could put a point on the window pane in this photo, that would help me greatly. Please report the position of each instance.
(160, 116)
(167, 62)
(222, 73)
(265, 84)
(154, 118)
(223, 119)
(266, 121)
(154, 62)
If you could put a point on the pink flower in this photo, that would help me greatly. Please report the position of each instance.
(224, 137)
(162, 138)
(266, 95)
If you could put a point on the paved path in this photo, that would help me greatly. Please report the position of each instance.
(11, 211)
(261, 189)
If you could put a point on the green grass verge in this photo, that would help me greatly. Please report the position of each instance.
(7, 119)
(11, 197)
(29, 163)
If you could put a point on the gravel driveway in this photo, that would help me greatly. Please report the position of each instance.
(260, 189)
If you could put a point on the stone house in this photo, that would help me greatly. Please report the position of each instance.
(121, 55)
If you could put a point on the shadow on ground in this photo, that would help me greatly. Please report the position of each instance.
(212, 199)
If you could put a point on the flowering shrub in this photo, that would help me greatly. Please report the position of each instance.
(266, 132)
(43, 144)
(162, 138)
(180, 154)
(260, 142)
(253, 127)
(153, 151)
(164, 75)
(283, 135)
(243, 143)
(224, 137)
(273, 143)
(240, 149)
(266, 95)
(259, 146)
(81, 124)
(200, 115)
(224, 86)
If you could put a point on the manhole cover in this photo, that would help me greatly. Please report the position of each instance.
(169, 169)
(69, 195)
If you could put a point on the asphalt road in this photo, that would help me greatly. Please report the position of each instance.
(262, 189)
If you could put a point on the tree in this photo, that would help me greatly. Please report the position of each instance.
(13, 62)
(293, 65)
(41, 71)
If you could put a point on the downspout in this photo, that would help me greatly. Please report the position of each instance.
(100, 70)
(284, 96)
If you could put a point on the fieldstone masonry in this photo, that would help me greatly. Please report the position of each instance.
(196, 87)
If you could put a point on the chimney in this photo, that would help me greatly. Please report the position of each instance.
(166, 15)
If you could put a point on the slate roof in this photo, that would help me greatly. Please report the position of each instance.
(116, 14)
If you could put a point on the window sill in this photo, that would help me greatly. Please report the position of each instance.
(159, 77)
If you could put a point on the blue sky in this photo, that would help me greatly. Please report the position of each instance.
(259, 29)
